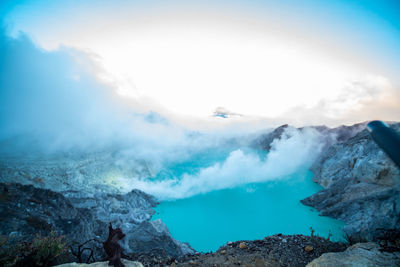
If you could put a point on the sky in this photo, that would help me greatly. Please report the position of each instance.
(301, 62)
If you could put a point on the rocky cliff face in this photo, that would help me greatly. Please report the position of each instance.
(327, 136)
(26, 210)
(361, 186)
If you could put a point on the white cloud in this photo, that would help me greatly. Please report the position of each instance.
(367, 98)
(189, 63)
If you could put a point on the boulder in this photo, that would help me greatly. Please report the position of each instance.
(358, 255)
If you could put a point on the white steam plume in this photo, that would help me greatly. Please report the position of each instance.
(296, 149)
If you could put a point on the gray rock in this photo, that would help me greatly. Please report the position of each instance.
(266, 140)
(154, 237)
(87, 173)
(89, 183)
(26, 210)
(101, 264)
(133, 207)
(361, 186)
(358, 255)
(328, 136)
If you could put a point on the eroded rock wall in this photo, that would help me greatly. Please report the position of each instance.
(361, 186)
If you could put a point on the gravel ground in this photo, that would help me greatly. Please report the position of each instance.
(276, 250)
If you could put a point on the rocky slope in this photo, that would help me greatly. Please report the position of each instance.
(277, 250)
(361, 186)
(92, 172)
(328, 136)
(26, 210)
(86, 186)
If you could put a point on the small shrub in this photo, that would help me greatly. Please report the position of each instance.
(47, 249)
(42, 251)
(7, 255)
(312, 232)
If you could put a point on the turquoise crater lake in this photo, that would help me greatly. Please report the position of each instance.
(245, 212)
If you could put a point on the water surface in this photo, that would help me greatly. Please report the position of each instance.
(246, 212)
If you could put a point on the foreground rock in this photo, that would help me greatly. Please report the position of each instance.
(358, 255)
(102, 264)
(26, 210)
(362, 187)
(277, 250)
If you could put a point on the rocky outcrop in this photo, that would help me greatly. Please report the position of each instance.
(361, 186)
(26, 210)
(266, 140)
(89, 188)
(132, 212)
(328, 136)
(358, 255)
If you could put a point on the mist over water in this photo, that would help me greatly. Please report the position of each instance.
(244, 203)
(247, 212)
(233, 165)
(60, 107)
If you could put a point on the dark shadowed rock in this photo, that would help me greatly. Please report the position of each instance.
(26, 211)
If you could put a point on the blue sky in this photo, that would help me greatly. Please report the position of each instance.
(335, 58)
(369, 25)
